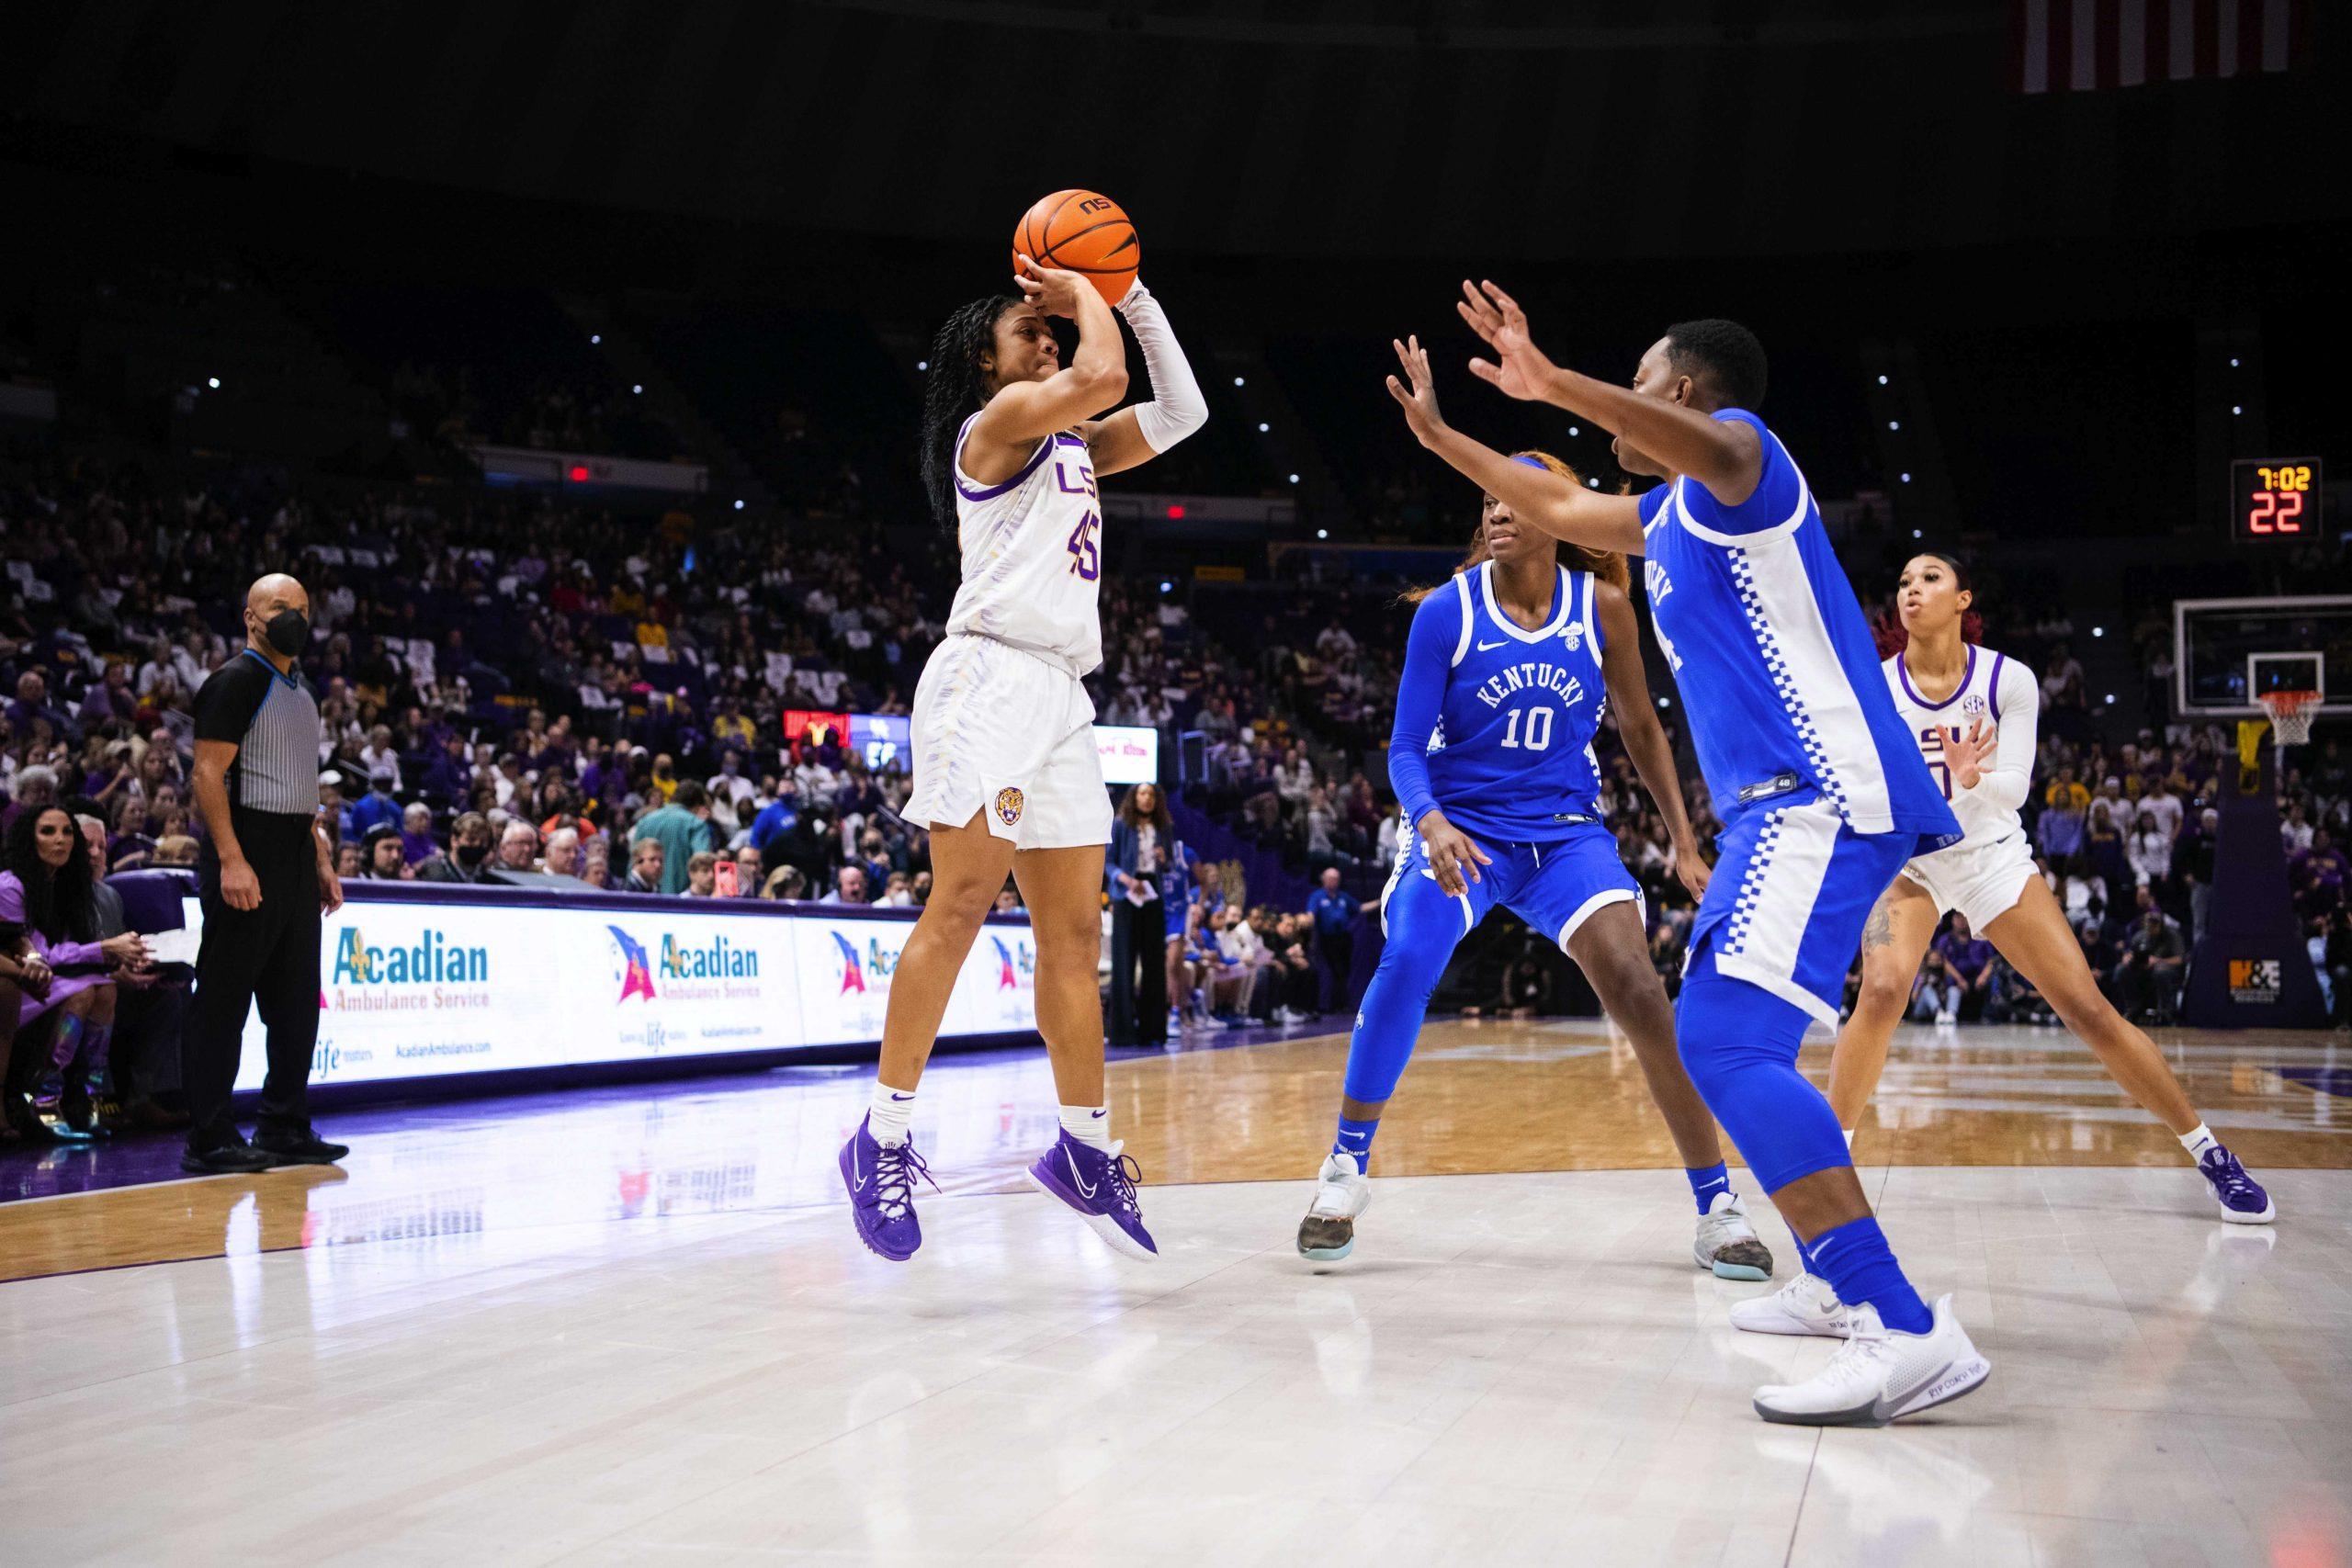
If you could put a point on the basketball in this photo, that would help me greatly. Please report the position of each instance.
(1082, 231)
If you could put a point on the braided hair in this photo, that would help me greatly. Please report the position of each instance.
(954, 389)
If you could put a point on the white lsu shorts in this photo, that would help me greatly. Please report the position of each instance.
(1005, 733)
(1982, 881)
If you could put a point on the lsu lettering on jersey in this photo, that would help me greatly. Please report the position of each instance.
(1773, 658)
(2001, 693)
(1495, 722)
(1033, 554)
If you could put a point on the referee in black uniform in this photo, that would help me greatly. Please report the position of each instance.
(268, 873)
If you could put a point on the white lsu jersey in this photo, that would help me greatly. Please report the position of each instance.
(1033, 556)
(2001, 692)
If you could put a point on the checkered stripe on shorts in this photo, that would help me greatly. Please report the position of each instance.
(1751, 882)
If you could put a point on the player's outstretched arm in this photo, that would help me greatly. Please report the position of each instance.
(1096, 377)
(1726, 457)
(1140, 432)
(1644, 736)
(1538, 496)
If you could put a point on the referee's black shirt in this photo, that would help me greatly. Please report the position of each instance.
(273, 721)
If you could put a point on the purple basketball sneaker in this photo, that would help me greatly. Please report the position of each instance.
(1101, 1187)
(2243, 1200)
(881, 1182)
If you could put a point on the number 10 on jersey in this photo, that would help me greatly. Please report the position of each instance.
(1086, 557)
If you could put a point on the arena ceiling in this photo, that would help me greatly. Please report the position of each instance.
(1317, 129)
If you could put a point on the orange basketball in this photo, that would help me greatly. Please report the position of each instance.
(1085, 233)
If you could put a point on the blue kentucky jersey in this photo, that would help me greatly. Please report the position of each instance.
(1773, 658)
(1495, 722)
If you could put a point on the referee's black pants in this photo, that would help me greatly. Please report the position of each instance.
(267, 956)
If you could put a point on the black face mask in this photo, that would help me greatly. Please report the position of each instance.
(288, 631)
(472, 854)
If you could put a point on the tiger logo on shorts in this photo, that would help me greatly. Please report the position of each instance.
(1009, 802)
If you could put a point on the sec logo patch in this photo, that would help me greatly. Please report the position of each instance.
(1009, 802)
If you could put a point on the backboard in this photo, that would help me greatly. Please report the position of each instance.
(2226, 650)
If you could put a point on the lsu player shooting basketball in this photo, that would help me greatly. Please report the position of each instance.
(1823, 793)
(1507, 670)
(1005, 771)
(1941, 682)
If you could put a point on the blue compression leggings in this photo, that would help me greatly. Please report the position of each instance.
(1739, 1044)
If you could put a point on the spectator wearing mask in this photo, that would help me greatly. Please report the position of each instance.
(645, 867)
(468, 859)
(681, 828)
(377, 807)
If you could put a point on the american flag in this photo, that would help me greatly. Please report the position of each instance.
(2058, 46)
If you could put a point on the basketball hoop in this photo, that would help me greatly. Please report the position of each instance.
(2291, 716)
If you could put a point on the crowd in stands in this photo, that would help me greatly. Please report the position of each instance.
(509, 684)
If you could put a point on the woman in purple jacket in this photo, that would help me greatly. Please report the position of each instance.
(57, 965)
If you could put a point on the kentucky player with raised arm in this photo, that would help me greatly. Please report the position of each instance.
(1823, 793)
(1975, 713)
(1005, 771)
(1509, 668)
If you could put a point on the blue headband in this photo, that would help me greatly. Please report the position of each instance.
(1532, 463)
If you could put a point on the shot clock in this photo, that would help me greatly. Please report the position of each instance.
(2275, 498)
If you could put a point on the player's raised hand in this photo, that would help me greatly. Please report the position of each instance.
(1417, 394)
(1519, 368)
(1966, 755)
(1452, 855)
(1051, 290)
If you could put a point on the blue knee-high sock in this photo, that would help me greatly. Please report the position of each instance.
(1355, 1138)
(1860, 1266)
(1424, 925)
(1705, 1183)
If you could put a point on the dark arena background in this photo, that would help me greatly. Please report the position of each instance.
(573, 357)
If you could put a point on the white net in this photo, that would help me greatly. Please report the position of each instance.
(2291, 716)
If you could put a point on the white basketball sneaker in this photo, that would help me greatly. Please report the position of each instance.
(1342, 1192)
(1879, 1375)
(1804, 1305)
(1727, 1242)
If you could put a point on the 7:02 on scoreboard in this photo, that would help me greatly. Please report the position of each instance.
(2274, 498)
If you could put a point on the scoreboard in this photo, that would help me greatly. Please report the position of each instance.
(2275, 498)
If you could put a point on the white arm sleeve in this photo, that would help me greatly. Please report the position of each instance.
(1177, 408)
(2004, 784)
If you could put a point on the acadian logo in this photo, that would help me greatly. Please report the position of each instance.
(722, 959)
(433, 960)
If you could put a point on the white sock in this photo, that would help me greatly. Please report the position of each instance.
(891, 1111)
(2198, 1141)
(1089, 1124)
(1850, 1132)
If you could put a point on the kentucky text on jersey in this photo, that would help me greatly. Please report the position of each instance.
(1493, 721)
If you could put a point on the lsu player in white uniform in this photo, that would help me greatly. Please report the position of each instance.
(1005, 770)
(1974, 712)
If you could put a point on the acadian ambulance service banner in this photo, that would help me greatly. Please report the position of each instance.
(409, 990)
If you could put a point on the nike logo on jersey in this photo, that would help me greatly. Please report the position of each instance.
(1489, 647)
